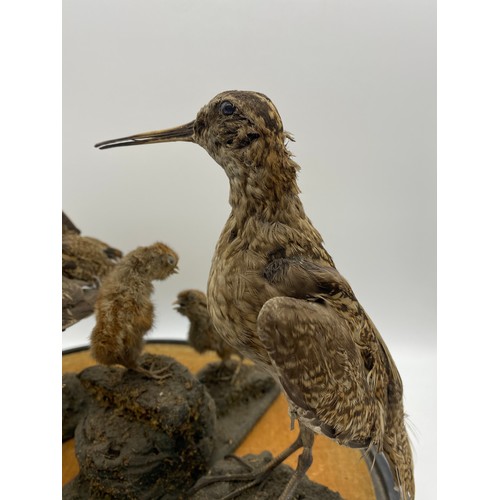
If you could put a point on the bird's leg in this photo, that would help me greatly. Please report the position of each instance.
(304, 462)
(255, 477)
(226, 364)
(239, 460)
(160, 374)
(236, 371)
(223, 366)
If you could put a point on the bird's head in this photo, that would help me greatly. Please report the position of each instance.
(239, 129)
(190, 302)
(241, 126)
(155, 262)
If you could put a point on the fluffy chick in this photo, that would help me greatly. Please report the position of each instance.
(202, 335)
(124, 310)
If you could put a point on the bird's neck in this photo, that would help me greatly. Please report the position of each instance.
(196, 316)
(267, 192)
(130, 276)
(267, 214)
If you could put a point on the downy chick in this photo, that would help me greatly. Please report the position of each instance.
(124, 310)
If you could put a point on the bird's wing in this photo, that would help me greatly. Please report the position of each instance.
(301, 278)
(78, 299)
(320, 368)
(111, 253)
(318, 335)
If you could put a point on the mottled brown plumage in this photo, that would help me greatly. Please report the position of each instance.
(202, 335)
(78, 299)
(85, 261)
(124, 310)
(83, 257)
(274, 293)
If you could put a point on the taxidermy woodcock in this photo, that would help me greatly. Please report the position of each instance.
(83, 257)
(275, 295)
(202, 335)
(124, 310)
(85, 261)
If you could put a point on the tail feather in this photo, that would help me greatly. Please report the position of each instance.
(397, 449)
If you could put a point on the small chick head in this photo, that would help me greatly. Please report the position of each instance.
(157, 261)
(190, 302)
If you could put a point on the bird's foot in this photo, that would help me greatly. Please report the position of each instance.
(228, 366)
(236, 372)
(160, 374)
(222, 372)
(254, 477)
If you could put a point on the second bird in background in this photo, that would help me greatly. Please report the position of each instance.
(202, 335)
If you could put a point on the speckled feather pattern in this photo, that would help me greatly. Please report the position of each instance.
(85, 262)
(86, 258)
(331, 361)
(78, 299)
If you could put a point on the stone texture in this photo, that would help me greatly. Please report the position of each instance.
(269, 489)
(143, 438)
(240, 402)
(75, 401)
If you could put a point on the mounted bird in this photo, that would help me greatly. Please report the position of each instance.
(85, 262)
(275, 295)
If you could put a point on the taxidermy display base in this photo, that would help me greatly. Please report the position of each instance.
(339, 468)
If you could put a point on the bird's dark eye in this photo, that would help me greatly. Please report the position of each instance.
(227, 108)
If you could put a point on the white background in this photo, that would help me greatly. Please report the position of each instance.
(355, 82)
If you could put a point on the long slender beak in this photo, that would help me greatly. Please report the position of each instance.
(183, 133)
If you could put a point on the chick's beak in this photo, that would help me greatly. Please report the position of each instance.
(178, 305)
(183, 133)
